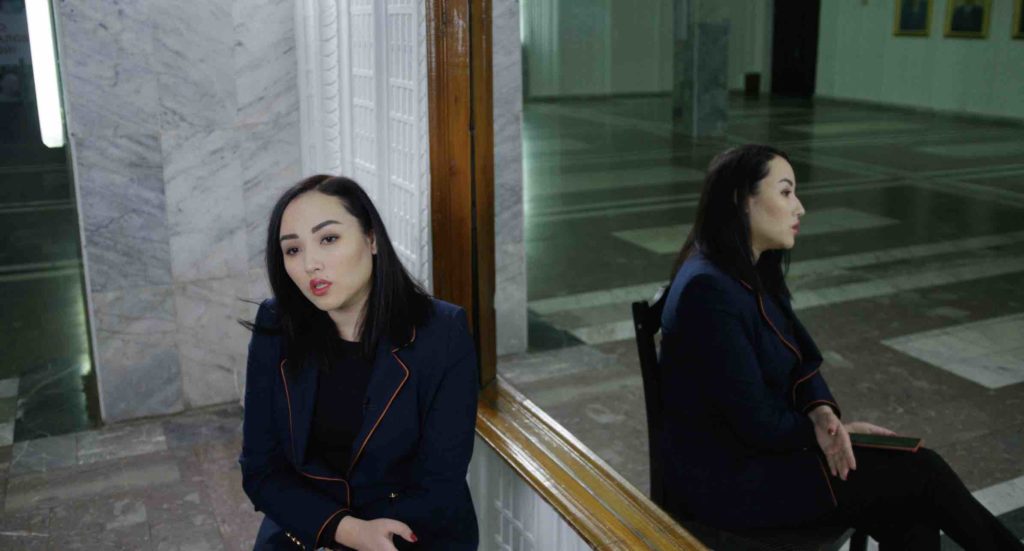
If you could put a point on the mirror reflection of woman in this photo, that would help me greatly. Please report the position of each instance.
(360, 401)
(753, 436)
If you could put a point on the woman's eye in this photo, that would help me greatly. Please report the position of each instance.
(291, 251)
(329, 239)
(786, 193)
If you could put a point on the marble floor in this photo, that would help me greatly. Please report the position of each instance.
(171, 484)
(907, 272)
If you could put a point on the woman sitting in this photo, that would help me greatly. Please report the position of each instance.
(361, 390)
(753, 437)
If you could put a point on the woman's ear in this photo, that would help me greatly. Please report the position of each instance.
(373, 243)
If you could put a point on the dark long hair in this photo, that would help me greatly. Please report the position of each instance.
(721, 230)
(396, 305)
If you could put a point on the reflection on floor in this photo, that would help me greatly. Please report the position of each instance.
(47, 385)
(907, 271)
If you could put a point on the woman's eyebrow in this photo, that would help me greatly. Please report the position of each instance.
(788, 181)
(320, 226)
(315, 229)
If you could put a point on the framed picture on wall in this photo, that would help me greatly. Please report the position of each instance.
(912, 17)
(967, 18)
(1018, 19)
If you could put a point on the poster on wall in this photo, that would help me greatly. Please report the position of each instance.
(1018, 19)
(912, 17)
(967, 18)
(15, 53)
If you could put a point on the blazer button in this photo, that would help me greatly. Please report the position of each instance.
(392, 495)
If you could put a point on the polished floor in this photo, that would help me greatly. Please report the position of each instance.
(908, 270)
(908, 273)
(167, 484)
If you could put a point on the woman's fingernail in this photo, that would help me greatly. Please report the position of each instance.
(414, 538)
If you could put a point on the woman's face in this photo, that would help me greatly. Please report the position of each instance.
(774, 210)
(326, 253)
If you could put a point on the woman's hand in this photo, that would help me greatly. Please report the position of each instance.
(834, 441)
(371, 535)
(861, 427)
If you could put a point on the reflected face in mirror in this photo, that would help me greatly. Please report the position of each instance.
(775, 210)
(326, 252)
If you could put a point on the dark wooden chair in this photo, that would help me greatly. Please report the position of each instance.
(647, 325)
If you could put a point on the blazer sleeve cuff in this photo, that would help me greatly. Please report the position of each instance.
(325, 536)
(811, 405)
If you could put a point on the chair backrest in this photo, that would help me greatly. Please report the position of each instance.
(646, 324)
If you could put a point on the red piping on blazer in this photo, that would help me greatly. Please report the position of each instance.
(394, 395)
(326, 522)
(800, 357)
(802, 379)
(764, 315)
(291, 433)
(816, 402)
(288, 397)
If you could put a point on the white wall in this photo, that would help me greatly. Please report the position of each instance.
(859, 58)
(596, 47)
(750, 40)
(608, 47)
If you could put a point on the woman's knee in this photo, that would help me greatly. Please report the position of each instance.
(930, 460)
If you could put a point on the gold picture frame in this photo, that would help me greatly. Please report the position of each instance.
(968, 18)
(1018, 19)
(913, 17)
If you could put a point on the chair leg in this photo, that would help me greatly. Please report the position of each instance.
(858, 541)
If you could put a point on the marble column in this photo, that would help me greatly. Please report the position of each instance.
(183, 120)
(510, 259)
(700, 68)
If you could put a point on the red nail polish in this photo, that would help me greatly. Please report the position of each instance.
(414, 538)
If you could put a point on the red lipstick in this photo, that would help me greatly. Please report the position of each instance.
(796, 229)
(319, 287)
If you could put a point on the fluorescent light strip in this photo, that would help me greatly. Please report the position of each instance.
(44, 68)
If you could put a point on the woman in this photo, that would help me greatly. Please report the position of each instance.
(753, 437)
(360, 399)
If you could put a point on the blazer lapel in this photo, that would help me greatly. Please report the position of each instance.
(303, 400)
(389, 376)
(764, 315)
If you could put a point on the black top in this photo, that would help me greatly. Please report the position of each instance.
(338, 414)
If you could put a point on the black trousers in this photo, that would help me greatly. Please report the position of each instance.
(903, 499)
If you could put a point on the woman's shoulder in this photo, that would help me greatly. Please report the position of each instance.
(268, 318)
(700, 276)
(700, 286)
(444, 318)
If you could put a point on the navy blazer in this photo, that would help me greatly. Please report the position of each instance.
(739, 374)
(409, 461)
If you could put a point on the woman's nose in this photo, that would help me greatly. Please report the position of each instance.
(312, 264)
(800, 208)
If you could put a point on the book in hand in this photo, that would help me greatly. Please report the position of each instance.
(898, 443)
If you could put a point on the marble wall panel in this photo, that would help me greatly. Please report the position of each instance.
(510, 260)
(204, 255)
(193, 57)
(712, 77)
(203, 181)
(136, 353)
(122, 208)
(700, 77)
(266, 82)
(211, 344)
(271, 163)
(105, 51)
